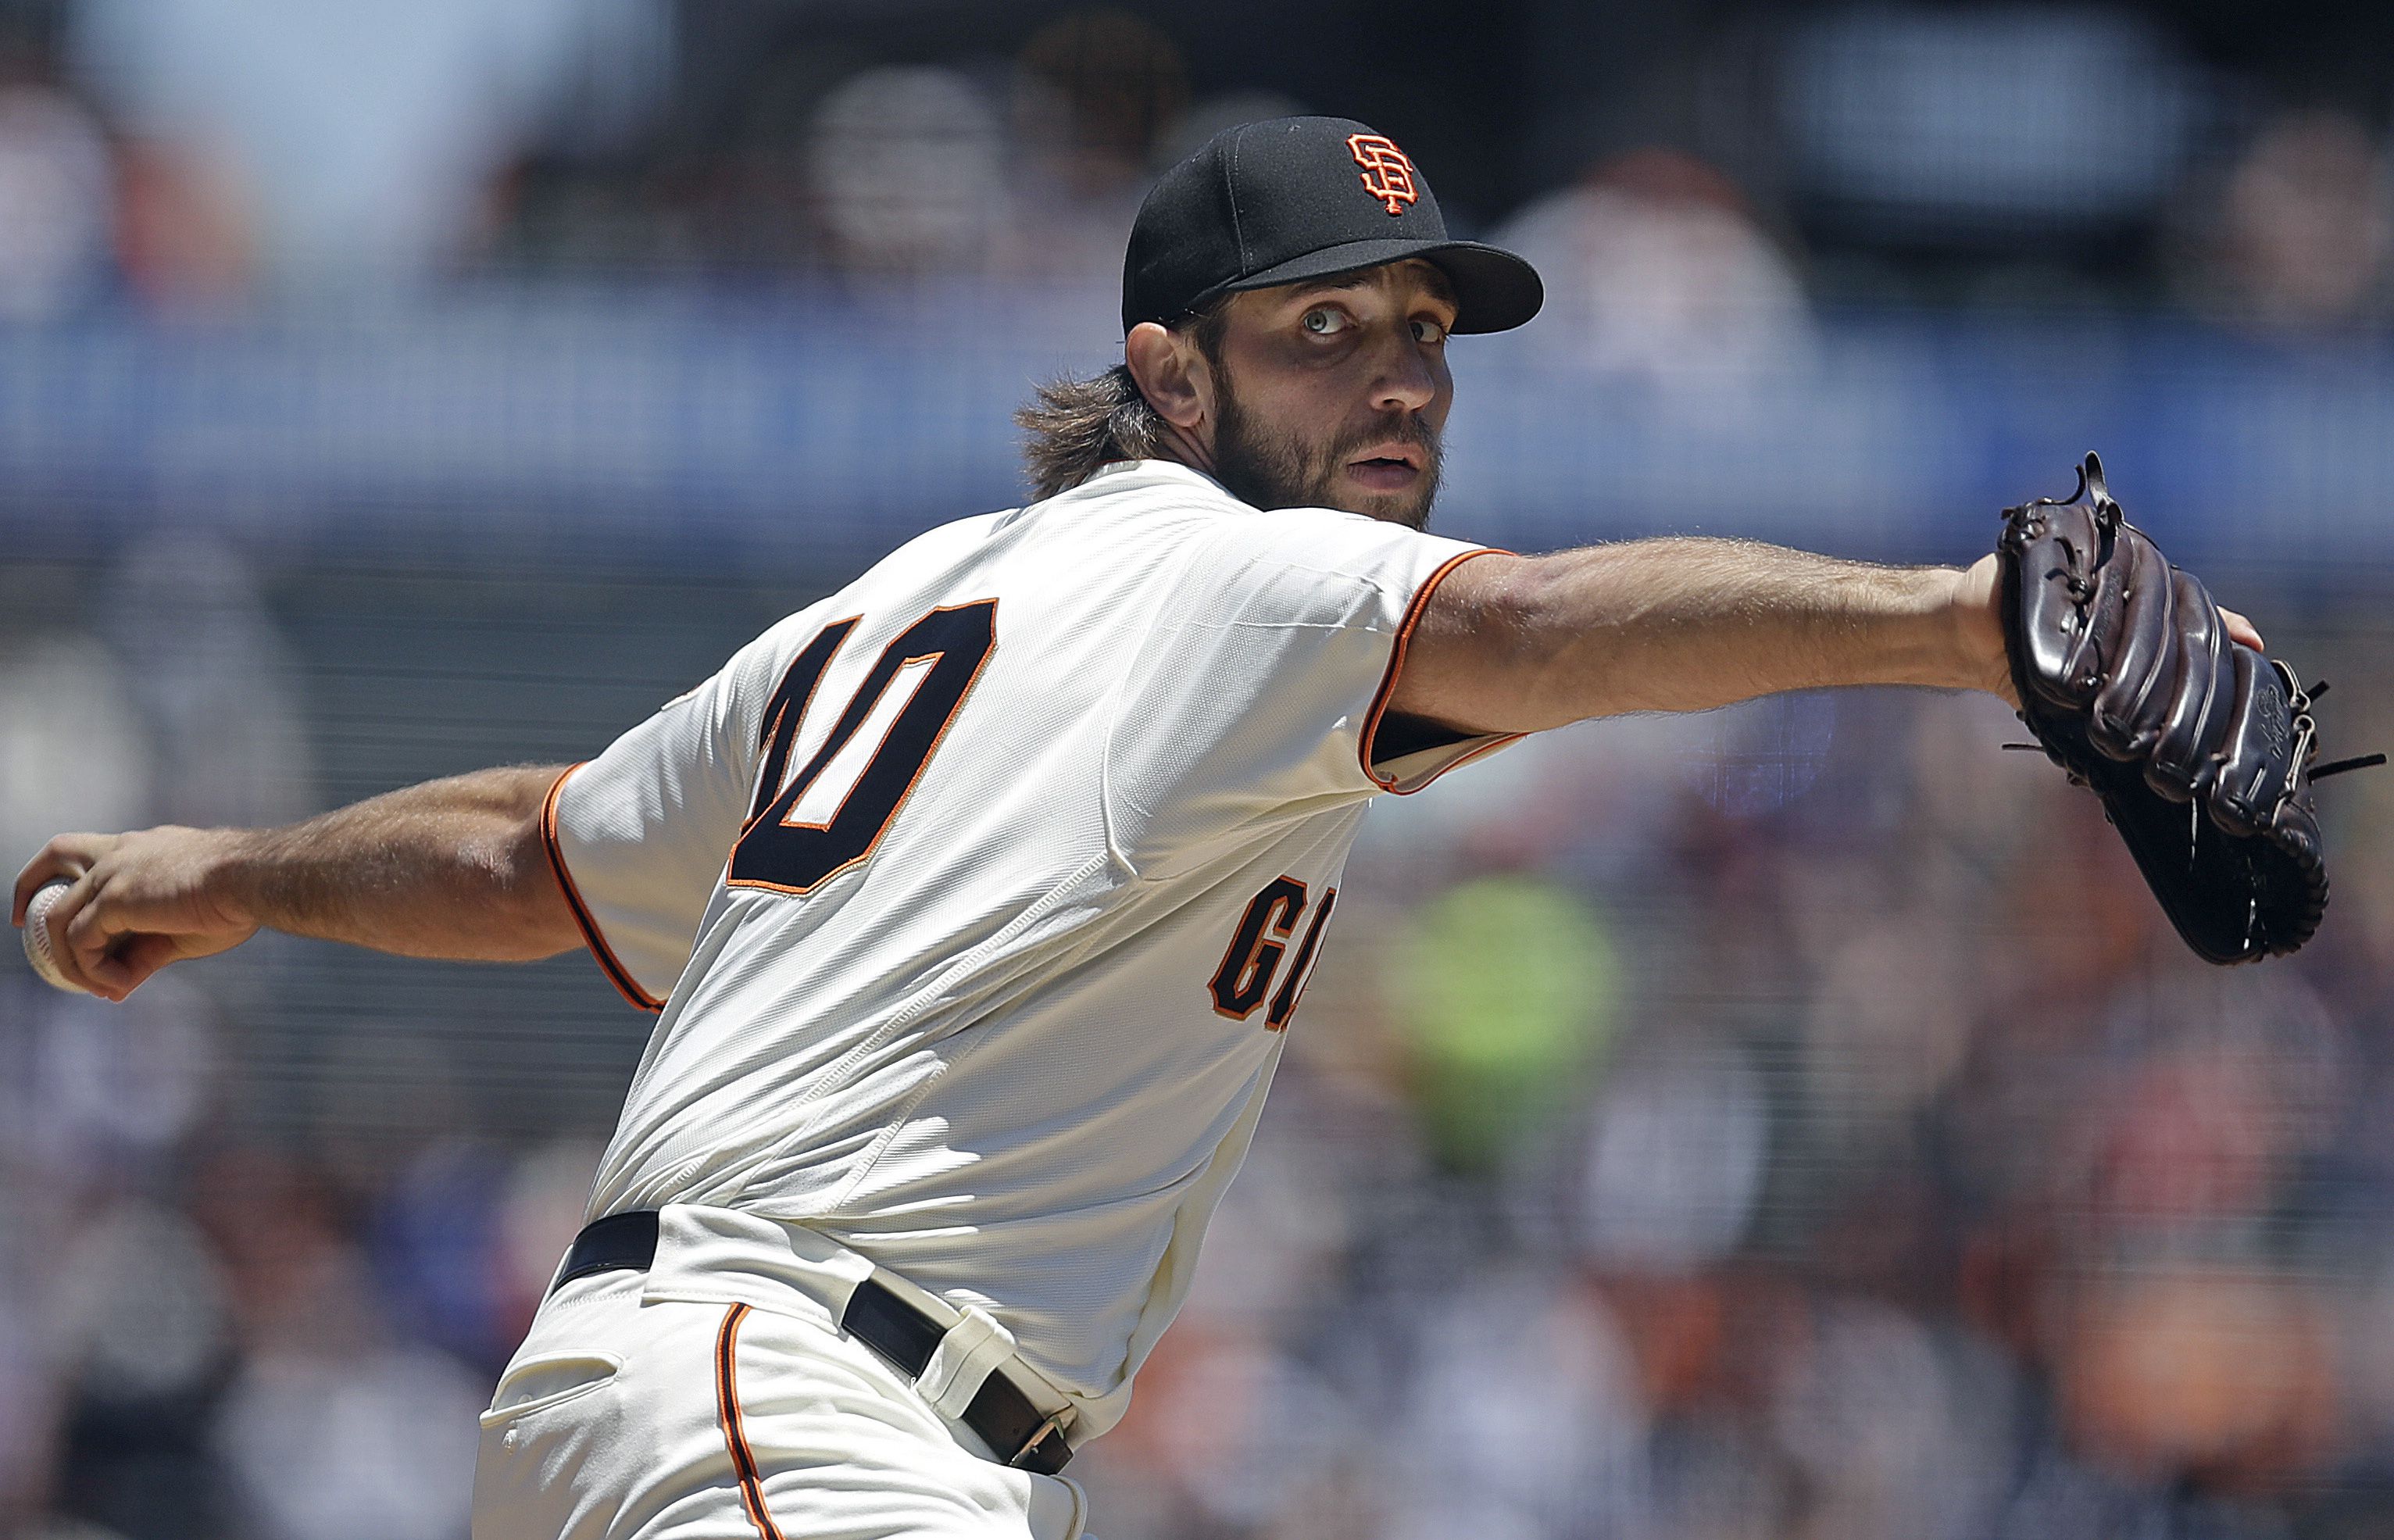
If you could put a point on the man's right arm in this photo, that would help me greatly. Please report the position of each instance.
(454, 868)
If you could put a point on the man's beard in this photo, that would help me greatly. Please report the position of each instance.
(1273, 470)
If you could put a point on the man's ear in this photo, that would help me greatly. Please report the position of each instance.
(1166, 369)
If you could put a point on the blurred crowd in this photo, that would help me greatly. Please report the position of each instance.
(1790, 1121)
(1794, 1122)
(197, 157)
(213, 1323)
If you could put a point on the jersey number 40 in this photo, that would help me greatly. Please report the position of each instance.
(834, 811)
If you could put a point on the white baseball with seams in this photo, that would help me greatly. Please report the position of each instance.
(37, 934)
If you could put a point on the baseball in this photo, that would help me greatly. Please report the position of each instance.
(37, 935)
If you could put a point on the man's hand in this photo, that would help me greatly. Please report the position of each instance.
(1978, 609)
(140, 902)
(1978, 612)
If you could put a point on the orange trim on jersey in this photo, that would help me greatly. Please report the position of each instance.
(618, 974)
(735, 1438)
(1396, 665)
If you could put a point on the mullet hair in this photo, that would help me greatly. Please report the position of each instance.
(1073, 425)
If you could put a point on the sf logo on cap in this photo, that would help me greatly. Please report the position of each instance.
(1388, 175)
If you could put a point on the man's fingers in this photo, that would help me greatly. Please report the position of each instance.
(66, 856)
(118, 976)
(110, 981)
(132, 964)
(98, 939)
(61, 918)
(89, 918)
(2240, 629)
(72, 914)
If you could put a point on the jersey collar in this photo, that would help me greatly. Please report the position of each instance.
(1115, 472)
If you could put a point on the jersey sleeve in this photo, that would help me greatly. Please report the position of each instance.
(639, 836)
(1260, 689)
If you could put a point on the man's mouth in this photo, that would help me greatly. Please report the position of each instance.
(1387, 466)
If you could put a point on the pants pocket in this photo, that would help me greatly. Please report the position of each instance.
(1059, 1510)
(549, 1379)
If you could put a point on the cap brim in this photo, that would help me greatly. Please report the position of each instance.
(1494, 291)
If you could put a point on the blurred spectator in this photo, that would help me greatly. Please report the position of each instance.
(139, 1327)
(56, 198)
(1760, 756)
(1234, 1423)
(2304, 228)
(1657, 273)
(1525, 1418)
(140, 1312)
(74, 753)
(329, 1425)
(377, 1445)
(30, 1452)
(115, 1089)
(541, 1209)
(1095, 91)
(1888, 1025)
(437, 1255)
(1676, 1162)
(1508, 990)
(1897, 1436)
(2217, 1373)
(465, 1240)
(217, 684)
(909, 171)
(1213, 114)
(366, 132)
(184, 235)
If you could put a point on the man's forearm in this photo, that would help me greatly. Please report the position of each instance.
(1513, 644)
(1684, 625)
(450, 868)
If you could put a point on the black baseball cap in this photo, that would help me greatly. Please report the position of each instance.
(1295, 198)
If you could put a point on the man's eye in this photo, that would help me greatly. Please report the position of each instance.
(1323, 323)
(1427, 331)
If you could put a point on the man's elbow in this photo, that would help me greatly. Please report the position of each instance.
(529, 914)
(1485, 658)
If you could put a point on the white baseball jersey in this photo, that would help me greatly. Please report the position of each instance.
(977, 897)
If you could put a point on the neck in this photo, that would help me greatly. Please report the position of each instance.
(1182, 444)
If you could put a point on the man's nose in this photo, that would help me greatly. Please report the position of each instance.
(1405, 382)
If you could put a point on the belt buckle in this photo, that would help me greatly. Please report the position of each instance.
(1051, 1424)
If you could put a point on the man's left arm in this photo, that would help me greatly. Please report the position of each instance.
(1517, 644)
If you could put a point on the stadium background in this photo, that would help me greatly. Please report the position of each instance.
(1792, 1121)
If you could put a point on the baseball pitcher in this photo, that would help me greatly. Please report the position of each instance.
(976, 900)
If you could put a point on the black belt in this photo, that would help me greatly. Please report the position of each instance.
(875, 1316)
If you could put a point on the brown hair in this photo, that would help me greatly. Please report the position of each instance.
(1073, 425)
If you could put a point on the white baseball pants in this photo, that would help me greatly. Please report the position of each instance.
(625, 1418)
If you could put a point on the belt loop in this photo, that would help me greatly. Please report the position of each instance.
(972, 1347)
